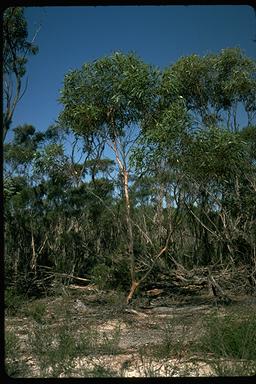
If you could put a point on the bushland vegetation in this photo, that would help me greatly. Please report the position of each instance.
(159, 172)
(147, 179)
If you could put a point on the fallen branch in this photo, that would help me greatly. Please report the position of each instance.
(69, 276)
(216, 288)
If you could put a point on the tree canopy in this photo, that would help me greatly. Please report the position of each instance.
(16, 49)
(161, 171)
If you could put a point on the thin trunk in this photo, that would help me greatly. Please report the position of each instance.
(159, 213)
(16, 264)
(33, 260)
(130, 244)
(129, 226)
(136, 284)
(234, 119)
(11, 107)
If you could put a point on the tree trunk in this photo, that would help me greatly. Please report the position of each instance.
(134, 286)
(130, 245)
(129, 226)
(159, 213)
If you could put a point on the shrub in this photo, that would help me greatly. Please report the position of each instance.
(37, 311)
(14, 365)
(13, 301)
(231, 341)
(54, 350)
(109, 345)
(101, 275)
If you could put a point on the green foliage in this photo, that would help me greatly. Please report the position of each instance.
(53, 350)
(56, 349)
(23, 148)
(13, 301)
(14, 365)
(248, 134)
(109, 345)
(95, 166)
(15, 44)
(215, 154)
(232, 336)
(14, 186)
(107, 95)
(231, 342)
(215, 82)
(16, 48)
(37, 312)
(102, 276)
(172, 345)
(62, 343)
(191, 171)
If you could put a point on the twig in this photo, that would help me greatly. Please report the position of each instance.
(68, 275)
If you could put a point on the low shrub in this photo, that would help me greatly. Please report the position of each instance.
(14, 365)
(230, 340)
(37, 311)
(12, 301)
(101, 275)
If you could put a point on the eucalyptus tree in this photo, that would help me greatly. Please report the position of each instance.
(216, 86)
(195, 135)
(50, 220)
(106, 100)
(37, 182)
(16, 49)
(21, 205)
(19, 155)
(165, 131)
(215, 164)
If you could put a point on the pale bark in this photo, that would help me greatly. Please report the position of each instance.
(33, 260)
(124, 172)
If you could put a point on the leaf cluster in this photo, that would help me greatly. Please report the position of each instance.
(107, 95)
(215, 81)
(15, 44)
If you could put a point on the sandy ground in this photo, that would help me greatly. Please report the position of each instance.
(138, 328)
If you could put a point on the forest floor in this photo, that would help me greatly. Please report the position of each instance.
(87, 332)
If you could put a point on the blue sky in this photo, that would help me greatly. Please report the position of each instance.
(160, 35)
